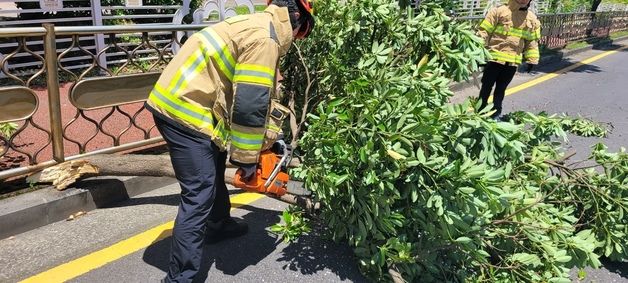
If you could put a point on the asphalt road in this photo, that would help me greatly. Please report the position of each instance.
(598, 90)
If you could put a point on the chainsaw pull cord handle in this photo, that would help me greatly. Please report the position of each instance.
(284, 157)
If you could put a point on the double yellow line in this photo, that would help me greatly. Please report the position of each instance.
(121, 249)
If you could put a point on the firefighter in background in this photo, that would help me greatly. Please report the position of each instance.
(511, 33)
(217, 91)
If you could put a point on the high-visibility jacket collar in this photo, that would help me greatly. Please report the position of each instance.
(283, 28)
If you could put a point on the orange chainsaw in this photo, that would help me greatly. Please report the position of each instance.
(271, 176)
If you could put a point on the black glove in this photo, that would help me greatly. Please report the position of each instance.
(529, 67)
(248, 170)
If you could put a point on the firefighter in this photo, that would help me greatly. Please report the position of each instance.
(214, 93)
(511, 33)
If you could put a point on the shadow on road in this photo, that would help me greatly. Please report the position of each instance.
(229, 256)
(312, 253)
(562, 62)
(557, 66)
(619, 268)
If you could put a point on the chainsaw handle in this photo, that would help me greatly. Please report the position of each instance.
(284, 157)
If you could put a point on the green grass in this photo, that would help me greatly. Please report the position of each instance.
(576, 45)
(242, 10)
(585, 43)
(625, 2)
(618, 34)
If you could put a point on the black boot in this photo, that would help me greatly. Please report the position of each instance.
(225, 229)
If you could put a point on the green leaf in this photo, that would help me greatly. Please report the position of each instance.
(559, 280)
(582, 274)
(463, 240)
(467, 190)
(381, 59)
(565, 258)
(527, 259)
(508, 170)
(420, 155)
(341, 179)
(461, 149)
(395, 155)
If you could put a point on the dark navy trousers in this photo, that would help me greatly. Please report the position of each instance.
(500, 76)
(199, 166)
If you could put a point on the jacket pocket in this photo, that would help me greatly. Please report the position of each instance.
(276, 116)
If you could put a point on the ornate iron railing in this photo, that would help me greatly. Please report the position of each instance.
(64, 110)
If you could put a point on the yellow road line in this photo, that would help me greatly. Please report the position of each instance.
(123, 248)
(552, 75)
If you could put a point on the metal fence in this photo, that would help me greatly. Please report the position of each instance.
(24, 13)
(64, 110)
(559, 29)
(95, 108)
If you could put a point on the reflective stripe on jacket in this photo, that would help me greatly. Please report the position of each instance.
(220, 82)
(511, 35)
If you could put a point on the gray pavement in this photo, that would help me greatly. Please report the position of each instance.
(598, 91)
(257, 257)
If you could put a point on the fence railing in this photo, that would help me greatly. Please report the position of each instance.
(559, 29)
(63, 110)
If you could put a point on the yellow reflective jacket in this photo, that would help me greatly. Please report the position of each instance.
(220, 82)
(511, 34)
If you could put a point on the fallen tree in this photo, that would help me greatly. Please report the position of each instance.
(426, 191)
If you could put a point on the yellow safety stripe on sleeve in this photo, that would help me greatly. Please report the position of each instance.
(188, 112)
(184, 75)
(536, 35)
(215, 47)
(257, 74)
(487, 26)
(505, 57)
(247, 141)
(532, 54)
(518, 33)
(273, 128)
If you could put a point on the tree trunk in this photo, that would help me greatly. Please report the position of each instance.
(65, 174)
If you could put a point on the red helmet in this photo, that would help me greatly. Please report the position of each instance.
(306, 18)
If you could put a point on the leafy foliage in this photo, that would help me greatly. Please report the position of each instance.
(7, 129)
(578, 126)
(294, 224)
(433, 191)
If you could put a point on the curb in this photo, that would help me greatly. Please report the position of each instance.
(42, 207)
(454, 87)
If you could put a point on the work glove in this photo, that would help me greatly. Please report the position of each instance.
(248, 170)
(529, 67)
